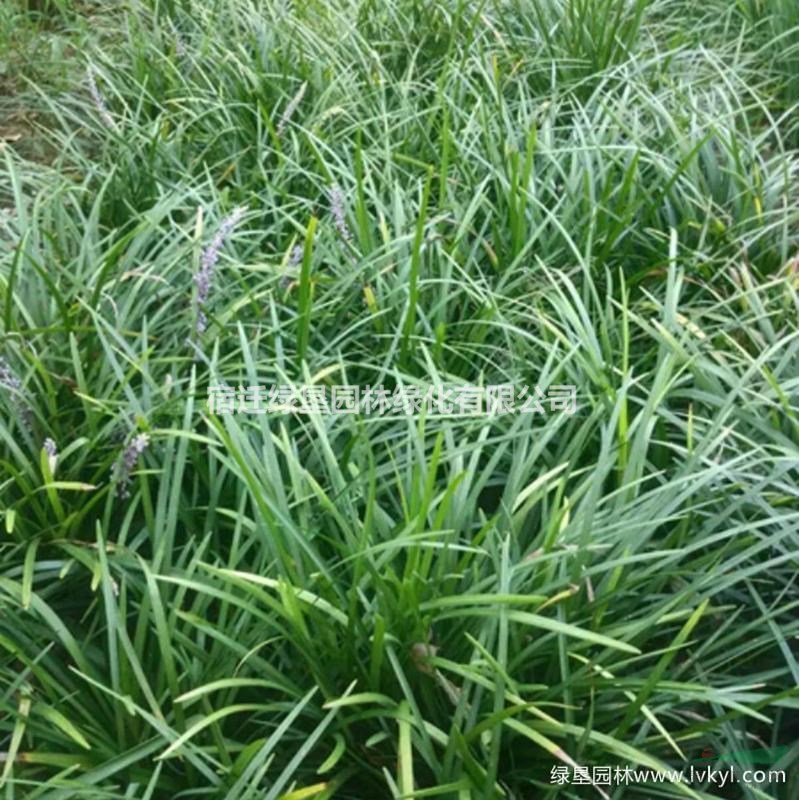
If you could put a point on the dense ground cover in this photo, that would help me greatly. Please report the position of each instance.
(598, 193)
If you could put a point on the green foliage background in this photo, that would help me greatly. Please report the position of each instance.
(590, 192)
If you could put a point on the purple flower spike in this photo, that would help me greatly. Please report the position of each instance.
(7, 376)
(337, 210)
(204, 278)
(290, 109)
(10, 382)
(99, 101)
(128, 462)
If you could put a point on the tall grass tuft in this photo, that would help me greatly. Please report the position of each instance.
(362, 605)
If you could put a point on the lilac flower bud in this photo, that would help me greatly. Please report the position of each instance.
(49, 447)
(297, 252)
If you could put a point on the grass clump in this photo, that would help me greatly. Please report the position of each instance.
(252, 193)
